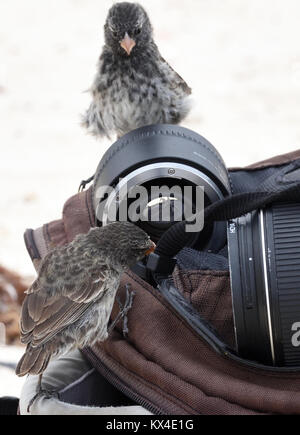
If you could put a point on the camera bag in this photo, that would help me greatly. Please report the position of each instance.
(168, 365)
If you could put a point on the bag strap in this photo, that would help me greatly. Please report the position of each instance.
(276, 161)
(176, 238)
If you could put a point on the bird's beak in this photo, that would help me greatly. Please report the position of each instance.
(127, 44)
(151, 249)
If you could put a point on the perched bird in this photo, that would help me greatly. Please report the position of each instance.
(134, 86)
(70, 303)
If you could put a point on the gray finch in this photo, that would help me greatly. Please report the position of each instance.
(134, 85)
(70, 303)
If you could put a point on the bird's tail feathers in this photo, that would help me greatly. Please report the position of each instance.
(34, 361)
(187, 105)
(93, 122)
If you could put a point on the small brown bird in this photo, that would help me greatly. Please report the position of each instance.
(70, 303)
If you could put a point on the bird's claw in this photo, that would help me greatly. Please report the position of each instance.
(124, 309)
(42, 393)
(84, 183)
(128, 301)
(127, 306)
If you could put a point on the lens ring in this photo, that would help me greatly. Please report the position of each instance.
(247, 286)
(161, 143)
(283, 250)
(160, 171)
(171, 145)
(264, 252)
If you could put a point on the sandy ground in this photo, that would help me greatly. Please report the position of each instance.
(241, 57)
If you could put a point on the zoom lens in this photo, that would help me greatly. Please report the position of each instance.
(161, 156)
(264, 249)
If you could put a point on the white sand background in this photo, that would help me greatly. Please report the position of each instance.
(241, 57)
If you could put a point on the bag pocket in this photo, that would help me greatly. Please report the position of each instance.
(210, 294)
(168, 368)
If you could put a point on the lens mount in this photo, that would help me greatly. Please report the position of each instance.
(156, 156)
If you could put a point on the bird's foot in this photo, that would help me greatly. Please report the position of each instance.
(124, 309)
(84, 183)
(42, 393)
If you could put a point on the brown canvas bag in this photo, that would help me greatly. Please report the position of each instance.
(164, 365)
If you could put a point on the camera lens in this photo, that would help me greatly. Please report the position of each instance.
(264, 250)
(161, 156)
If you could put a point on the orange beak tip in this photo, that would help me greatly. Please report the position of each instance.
(127, 44)
(151, 250)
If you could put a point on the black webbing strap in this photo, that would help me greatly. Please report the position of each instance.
(176, 238)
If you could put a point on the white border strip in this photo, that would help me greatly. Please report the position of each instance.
(266, 281)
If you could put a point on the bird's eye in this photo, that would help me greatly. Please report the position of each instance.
(138, 31)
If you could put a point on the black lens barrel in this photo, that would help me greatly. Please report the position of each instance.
(283, 247)
(264, 248)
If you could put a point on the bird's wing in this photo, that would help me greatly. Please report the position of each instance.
(48, 311)
(93, 119)
(173, 77)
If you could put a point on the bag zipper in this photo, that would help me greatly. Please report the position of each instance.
(119, 384)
